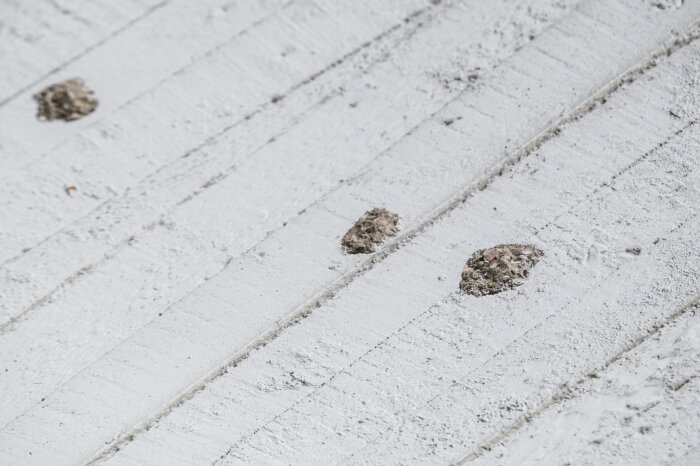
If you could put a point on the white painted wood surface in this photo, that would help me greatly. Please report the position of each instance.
(643, 409)
(400, 341)
(343, 139)
(40, 38)
(190, 304)
(107, 158)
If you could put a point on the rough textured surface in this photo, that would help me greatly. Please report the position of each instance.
(40, 39)
(172, 285)
(502, 267)
(642, 409)
(68, 100)
(370, 230)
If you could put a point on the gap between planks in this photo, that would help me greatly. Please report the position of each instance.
(569, 390)
(408, 20)
(298, 405)
(690, 35)
(78, 56)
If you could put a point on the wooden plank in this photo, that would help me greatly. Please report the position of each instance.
(112, 155)
(122, 316)
(642, 409)
(130, 66)
(40, 38)
(334, 120)
(401, 352)
(287, 270)
(174, 254)
(568, 343)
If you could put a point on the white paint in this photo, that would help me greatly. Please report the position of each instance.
(94, 362)
(195, 243)
(112, 155)
(644, 409)
(399, 343)
(173, 37)
(39, 38)
(342, 144)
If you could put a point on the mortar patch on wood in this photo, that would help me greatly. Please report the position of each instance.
(373, 228)
(500, 268)
(68, 100)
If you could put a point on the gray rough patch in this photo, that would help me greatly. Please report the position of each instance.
(371, 229)
(667, 4)
(502, 267)
(68, 100)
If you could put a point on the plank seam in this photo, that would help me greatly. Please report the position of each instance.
(85, 51)
(503, 349)
(211, 139)
(622, 171)
(428, 311)
(206, 54)
(598, 98)
(330, 379)
(568, 390)
(214, 180)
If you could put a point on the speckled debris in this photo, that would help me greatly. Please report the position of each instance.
(500, 268)
(372, 228)
(68, 100)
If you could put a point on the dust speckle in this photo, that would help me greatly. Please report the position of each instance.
(667, 4)
(371, 229)
(68, 100)
(449, 121)
(500, 268)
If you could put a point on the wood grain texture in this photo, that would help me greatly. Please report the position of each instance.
(109, 158)
(189, 303)
(174, 37)
(39, 39)
(334, 119)
(400, 354)
(642, 409)
(171, 253)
